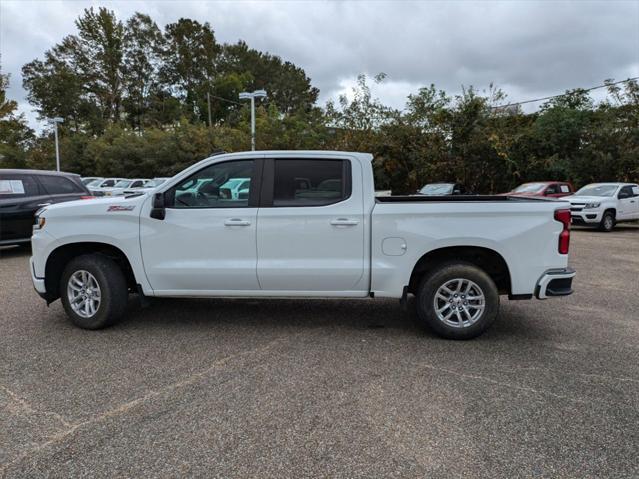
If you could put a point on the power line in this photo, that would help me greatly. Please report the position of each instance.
(225, 99)
(565, 94)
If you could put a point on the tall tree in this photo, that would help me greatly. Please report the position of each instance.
(189, 66)
(143, 44)
(99, 53)
(287, 85)
(15, 135)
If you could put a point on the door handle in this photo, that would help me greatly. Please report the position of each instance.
(344, 222)
(236, 222)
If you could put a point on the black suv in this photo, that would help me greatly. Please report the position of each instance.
(23, 192)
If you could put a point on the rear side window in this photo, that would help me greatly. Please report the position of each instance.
(59, 185)
(18, 186)
(311, 182)
(564, 188)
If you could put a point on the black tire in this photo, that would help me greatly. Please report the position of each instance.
(607, 222)
(113, 290)
(441, 276)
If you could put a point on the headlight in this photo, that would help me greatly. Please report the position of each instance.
(39, 223)
(592, 205)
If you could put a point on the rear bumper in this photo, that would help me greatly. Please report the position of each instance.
(555, 282)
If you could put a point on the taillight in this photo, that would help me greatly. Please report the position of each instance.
(563, 216)
(87, 197)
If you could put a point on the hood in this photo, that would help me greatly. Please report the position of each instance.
(97, 206)
(586, 199)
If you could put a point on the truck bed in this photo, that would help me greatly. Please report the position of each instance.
(474, 198)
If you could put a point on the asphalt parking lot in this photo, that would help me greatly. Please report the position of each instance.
(317, 388)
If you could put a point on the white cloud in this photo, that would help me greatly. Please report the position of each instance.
(528, 48)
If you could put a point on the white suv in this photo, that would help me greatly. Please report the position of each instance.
(605, 204)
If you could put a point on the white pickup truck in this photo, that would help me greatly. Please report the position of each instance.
(310, 226)
(603, 205)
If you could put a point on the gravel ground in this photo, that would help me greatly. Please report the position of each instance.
(317, 388)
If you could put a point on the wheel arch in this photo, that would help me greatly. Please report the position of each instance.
(60, 257)
(489, 260)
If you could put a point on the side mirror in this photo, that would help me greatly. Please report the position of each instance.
(158, 211)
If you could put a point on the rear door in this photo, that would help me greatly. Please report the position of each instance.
(310, 226)
(20, 197)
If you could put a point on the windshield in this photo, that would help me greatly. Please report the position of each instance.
(530, 188)
(155, 182)
(123, 184)
(97, 182)
(437, 189)
(597, 190)
(88, 181)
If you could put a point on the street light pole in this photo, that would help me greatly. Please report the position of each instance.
(252, 96)
(252, 123)
(55, 122)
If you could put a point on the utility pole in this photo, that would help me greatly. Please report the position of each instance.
(252, 96)
(55, 122)
(208, 100)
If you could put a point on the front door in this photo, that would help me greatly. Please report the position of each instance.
(627, 203)
(310, 228)
(206, 244)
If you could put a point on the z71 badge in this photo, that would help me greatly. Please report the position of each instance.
(120, 208)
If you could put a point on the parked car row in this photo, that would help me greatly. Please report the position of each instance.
(23, 192)
(601, 205)
(120, 186)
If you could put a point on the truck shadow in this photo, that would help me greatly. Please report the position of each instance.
(383, 317)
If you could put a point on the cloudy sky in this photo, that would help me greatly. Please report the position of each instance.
(529, 48)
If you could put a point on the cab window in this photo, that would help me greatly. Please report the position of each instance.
(311, 182)
(221, 185)
(552, 189)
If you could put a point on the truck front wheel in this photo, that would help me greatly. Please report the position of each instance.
(93, 291)
(607, 221)
(457, 301)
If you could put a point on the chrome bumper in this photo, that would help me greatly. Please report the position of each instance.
(555, 282)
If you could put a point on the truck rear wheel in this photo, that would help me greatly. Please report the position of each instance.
(457, 301)
(93, 291)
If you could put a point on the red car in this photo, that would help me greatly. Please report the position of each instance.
(551, 189)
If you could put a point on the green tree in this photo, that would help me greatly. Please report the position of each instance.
(15, 135)
(190, 64)
(143, 44)
(287, 85)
